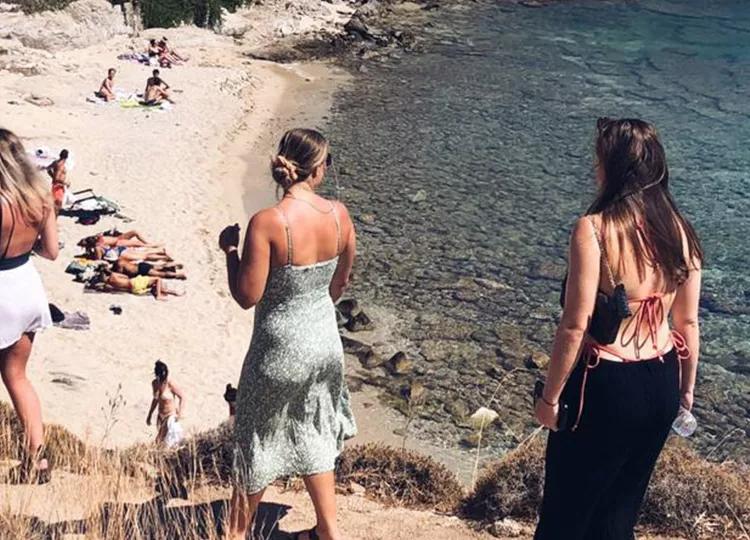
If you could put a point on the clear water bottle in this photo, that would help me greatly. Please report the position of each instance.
(685, 424)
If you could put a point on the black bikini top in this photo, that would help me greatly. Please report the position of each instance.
(9, 263)
(610, 309)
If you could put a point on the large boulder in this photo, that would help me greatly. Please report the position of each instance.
(82, 24)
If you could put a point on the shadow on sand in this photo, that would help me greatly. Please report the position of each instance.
(155, 520)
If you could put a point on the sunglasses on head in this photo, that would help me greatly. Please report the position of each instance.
(603, 122)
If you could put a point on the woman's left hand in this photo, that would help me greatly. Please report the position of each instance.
(547, 414)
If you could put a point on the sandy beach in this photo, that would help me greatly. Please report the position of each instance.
(180, 175)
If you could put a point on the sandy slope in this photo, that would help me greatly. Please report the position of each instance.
(180, 176)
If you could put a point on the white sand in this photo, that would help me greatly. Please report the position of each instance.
(181, 176)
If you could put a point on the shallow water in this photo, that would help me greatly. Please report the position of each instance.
(492, 125)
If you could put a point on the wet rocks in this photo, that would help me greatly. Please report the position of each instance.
(419, 196)
(359, 323)
(399, 364)
(537, 360)
(414, 393)
(362, 351)
(458, 410)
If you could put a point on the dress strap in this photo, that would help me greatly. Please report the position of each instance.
(288, 234)
(602, 252)
(338, 228)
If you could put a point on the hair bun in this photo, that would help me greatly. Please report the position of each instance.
(285, 171)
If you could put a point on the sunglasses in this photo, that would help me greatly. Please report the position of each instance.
(603, 122)
(329, 160)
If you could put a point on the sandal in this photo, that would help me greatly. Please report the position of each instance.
(28, 473)
(312, 534)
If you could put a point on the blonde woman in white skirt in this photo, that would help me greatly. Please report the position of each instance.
(27, 223)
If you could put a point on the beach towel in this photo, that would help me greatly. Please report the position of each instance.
(78, 320)
(140, 58)
(174, 434)
(84, 203)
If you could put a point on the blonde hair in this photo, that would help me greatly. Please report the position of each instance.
(299, 152)
(20, 183)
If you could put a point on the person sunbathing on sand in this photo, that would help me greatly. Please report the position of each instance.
(155, 51)
(106, 90)
(126, 239)
(133, 269)
(109, 281)
(170, 53)
(113, 253)
(156, 90)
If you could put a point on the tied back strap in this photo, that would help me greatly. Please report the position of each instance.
(288, 235)
(649, 316)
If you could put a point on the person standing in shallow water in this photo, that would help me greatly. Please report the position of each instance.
(27, 223)
(293, 411)
(623, 373)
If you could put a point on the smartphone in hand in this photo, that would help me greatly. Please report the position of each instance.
(562, 414)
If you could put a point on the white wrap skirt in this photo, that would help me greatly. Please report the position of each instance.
(23, 303)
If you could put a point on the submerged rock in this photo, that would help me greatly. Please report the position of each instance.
(360, 323)
(399, 364)
(537, 360)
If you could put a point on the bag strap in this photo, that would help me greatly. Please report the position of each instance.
(603, 253)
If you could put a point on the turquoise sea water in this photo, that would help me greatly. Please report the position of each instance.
(467, 163)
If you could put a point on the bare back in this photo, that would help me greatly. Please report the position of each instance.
(308, 232)
(647, 331)
(16, 236)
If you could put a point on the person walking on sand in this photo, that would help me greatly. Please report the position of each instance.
(107, 90)
(634, 261)
(156, 90)
(293, 411)
(27, 223)
(170, 411)
(58, 171)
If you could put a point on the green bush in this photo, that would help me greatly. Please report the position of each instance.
(36, 6)
(169, 13)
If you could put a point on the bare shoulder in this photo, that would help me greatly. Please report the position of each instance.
(265, 220)
(341, 210)
(584, 228)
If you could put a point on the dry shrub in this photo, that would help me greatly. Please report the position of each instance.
(701, 499)
(61, 447)
(687, 494)
(511, 487)
(206, 456)
(396, 476)
(16, 527)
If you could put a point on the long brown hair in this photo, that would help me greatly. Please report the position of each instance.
(20, 183)
(634, 199)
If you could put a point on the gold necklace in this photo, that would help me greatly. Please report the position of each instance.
(308, 203)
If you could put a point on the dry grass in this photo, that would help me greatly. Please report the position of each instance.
(688, 496)
(401, 477)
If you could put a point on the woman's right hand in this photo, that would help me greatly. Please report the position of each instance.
(686, 399)
(229, 238)
(546, 414)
